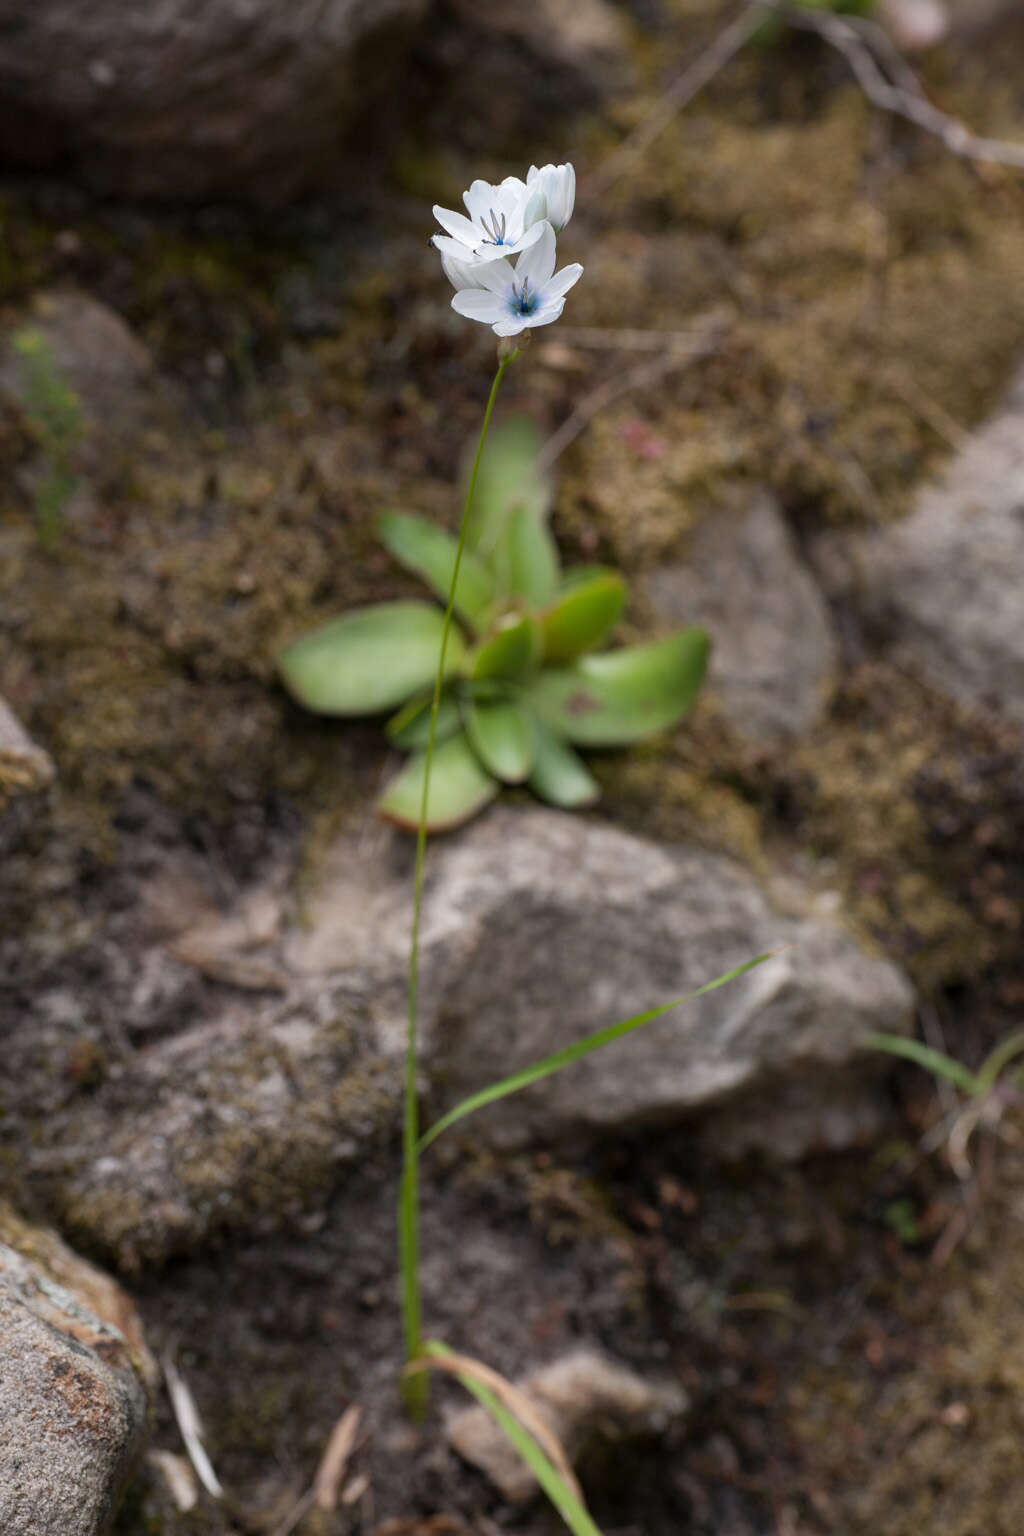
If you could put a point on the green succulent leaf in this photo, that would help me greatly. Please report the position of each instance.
(525, 559)
(559, 776)
(370, 659)
(583, 614)
(410, 728)
(502, 739)
(513, 647)
(507, 479)
(616, 698)
(429, 552)
(459, 787)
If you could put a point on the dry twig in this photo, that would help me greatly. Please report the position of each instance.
(903, 95)
(333, 1466)
(679, 95)
(191, 1428)
(515, 1400)
(868, 50)
(336, 1457)
(703, 344)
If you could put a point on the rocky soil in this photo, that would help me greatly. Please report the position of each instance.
(730, 1254)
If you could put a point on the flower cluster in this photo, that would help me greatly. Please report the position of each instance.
(516, 218)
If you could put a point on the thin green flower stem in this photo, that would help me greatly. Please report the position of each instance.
(409, 1200)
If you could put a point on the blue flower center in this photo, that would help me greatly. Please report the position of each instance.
(522, 301)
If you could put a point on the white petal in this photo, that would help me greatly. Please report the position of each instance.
(562, 281)
(510, 325)
(461, 274)
(481, 256)
(536, 265)
(509, 202)
(568, 194)
(476, 304)
(536, 210)
(446, 246)
(458, 225)
(496, 276)
(478, 200)
(526, 239)
(545, 314)
(531, 175)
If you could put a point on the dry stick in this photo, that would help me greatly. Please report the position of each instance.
(332, 1468)
(933, 414)
(903, 101)
(855, 38)
(518, 1403)
(295, 1515)
(605, 394)
(336, 1457)
(679, 95)
(879, 40)
(190, 1425)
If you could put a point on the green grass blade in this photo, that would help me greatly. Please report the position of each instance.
(935, 1062)
(998, 1060)
(561, 1496)
(573, 1053)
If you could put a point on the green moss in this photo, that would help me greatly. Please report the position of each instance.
(918, 805)
(929, 1439)
(834, 384)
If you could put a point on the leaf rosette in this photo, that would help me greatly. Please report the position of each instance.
(525, 679)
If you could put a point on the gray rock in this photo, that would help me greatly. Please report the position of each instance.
(245, 1118)
(773, 650)
(580, 1396)
(946, 585)
(90, 350)
(73, 1401)
(540, 928)
(190, 99)
(92, 345)
(549, 56)
(24, 767)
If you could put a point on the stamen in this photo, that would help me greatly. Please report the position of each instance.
(523, 301)
(495, 229)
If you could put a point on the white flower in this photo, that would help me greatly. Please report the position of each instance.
(502, 221)
(509, 299)
(463, 274)
(556, 184)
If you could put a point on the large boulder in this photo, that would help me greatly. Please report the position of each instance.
(944, 586)
(257, 101)
(192, 99)
(774, 654)
(243, 1120)
(74, 1373)
(540, 928)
